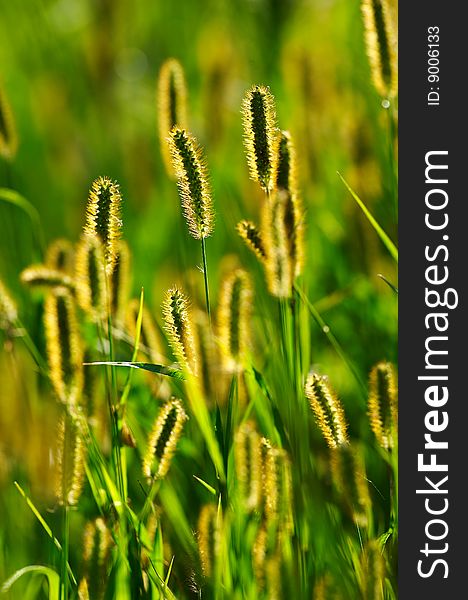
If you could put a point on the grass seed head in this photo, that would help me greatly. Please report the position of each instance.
(8, 309)
(383, 404)
(90, 277)
(261, 137)
(8, 135)
(163, 439)
(381, 46)
(277, 487)
(327, 409)
(248, 466)
(209, 538)
(103, 217)
(372, 571)
(97, 546)
(192, 182)
(178, 328)
(70, 465)
(60, 256)
(172, 105)
(278, 265)
(42, 276)
(120, 282)
(234, 315)
(63, 343)
(252, 236)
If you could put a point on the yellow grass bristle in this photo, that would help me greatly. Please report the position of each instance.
(349, 477)
(103, 217)
(64, 348)
(209, 533)
(278, 264)
(247, 458)
(178, 328)
(8, 135)
(261, 137)
(60, 256)
(381, 44)
(327, 409)
(372, 571)
(163, 439)
(192, 182)
(42, 276)
(172, 105)
(90, 277)
(234, 316)
(97, 546)
(286, 180)
(120, 283)
(326, 589)
(252, 237)
(383, 404)
(8, 309)
(70, 463)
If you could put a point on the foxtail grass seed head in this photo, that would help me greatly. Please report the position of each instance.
(149, 338)
(259, 555)
(103, 217)
(209, 534)
(234, 316)
(90, 277)
(163, 439)
(327, 409)
(192, 182)
(381, 44)
(349, 477)
(261, 137)
(97, 546)
(8, 135)
(120, 282)
(248, 466)
(286, 180)
(63, 342)
(8, 309)
(252, 237)
(383, 404)
(327, 589)
(60, 256)
(178, 328)
(278, 264)
(172, 105)
(372, 571)
(277, 488)
(70, 463)
(42, 276)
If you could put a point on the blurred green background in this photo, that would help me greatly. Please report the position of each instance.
(81, 75)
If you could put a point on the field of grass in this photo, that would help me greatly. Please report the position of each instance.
(250, 448)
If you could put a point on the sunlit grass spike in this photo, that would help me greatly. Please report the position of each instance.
(163, 439)
(383, 404)
(248, 466)
(97, 546)
(103, 217)
(261, 137)
(90, 277)
(60, 255)
(372, 571)
(252, 236)
(70, 467)
(178, 328)
(209, 534)
(120, 282)
(42, 276)
(327, 409)
(8, 135)
(8, 308)
(381, 46)
(192, 181)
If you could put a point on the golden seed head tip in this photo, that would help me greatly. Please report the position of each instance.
(277, 485)
(103, 217)
(46, 277)
(90, 277)
(178, 328)
(252, 236)
(373, 571)
(8, 308)
(381, 44)
(209, 537)
(234, 315)
(383, 404)
(192, 181)
(261, 135)
(248, 466)
(327, 409)
(60, 255)
(63, 344)
(163, 439)
(8, 135)
(71, 458)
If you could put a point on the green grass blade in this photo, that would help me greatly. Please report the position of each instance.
(380, 232)
(153, 368)
(52, 578)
